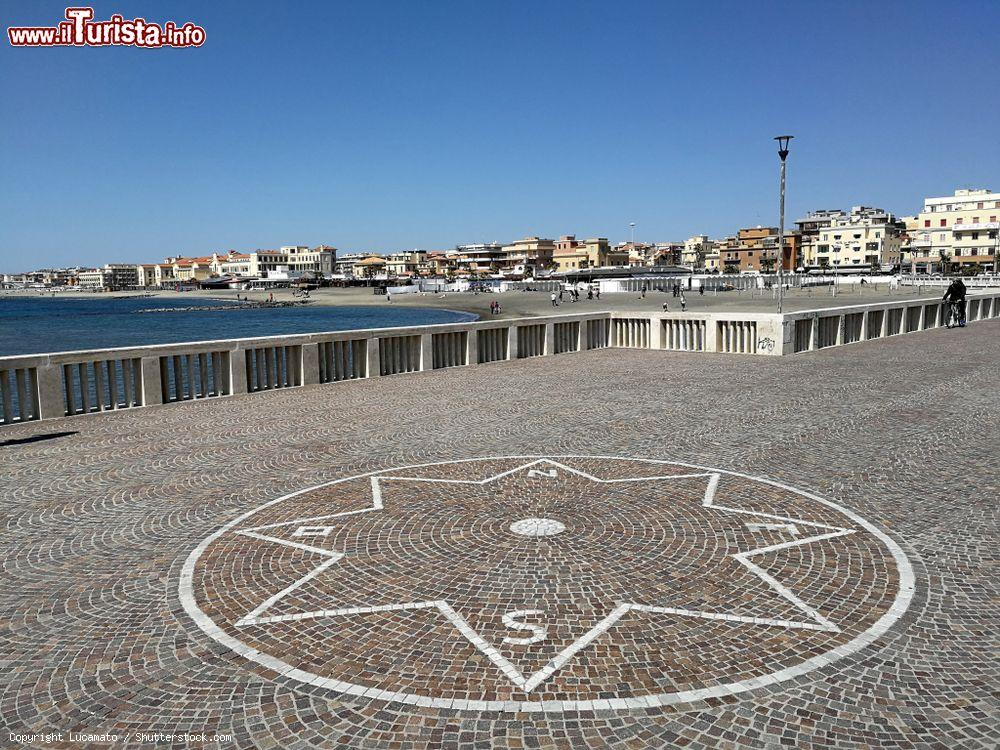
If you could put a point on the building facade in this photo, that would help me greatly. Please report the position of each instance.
(810, 227)
(957, 230)
(697, 251)
(865, 238)
(300, 258)
(528, 255)
(479, 258)
(93, 278)
(755, 250)
(571, 254)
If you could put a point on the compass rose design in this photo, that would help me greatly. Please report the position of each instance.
(547, 582)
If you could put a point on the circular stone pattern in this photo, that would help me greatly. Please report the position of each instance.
(537, 527)
(663, 583)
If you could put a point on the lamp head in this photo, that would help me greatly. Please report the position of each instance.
(783, 145)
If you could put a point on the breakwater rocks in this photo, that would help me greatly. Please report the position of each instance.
(224, 308)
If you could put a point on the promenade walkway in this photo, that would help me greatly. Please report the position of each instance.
(553, 552)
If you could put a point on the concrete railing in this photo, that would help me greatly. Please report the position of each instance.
(809, 330)
(66, 384)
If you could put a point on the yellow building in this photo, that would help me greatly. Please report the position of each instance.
(571, 254)
(370, 268)
(405, 263)
(527, 255)
(697, 250)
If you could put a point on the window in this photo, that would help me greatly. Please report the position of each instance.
(958, 220)
(993, 219)
(944, 222)
(975, 235)
(927, 222)
(975, 219)
(979, 205)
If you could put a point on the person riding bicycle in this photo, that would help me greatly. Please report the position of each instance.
(956, 296)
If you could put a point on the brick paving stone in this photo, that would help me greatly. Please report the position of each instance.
(100, 524)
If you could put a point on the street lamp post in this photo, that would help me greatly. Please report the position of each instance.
(782, 154)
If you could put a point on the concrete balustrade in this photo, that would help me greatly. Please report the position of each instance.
(810, 330)
(47, 386)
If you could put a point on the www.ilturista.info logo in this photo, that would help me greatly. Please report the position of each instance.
(80, 30)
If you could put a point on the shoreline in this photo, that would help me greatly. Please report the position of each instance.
(519, 304)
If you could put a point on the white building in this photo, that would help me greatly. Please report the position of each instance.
(479, 257)
(317, 260)
(961, 228)
(865, 238)
(94, 278)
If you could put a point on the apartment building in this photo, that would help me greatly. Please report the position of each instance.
(755, 250)
(344, 263)
(697, 250)
(113, 276)
(192, 269)
(163, 274)
(571, 254)
(121, 276)
(146, 274)
(961, 228)
(479, 257)
(866, 237)
(810, 227)
(232, 264)
(668, 253)
(296, 258)
(93, 278)
(406, 263)
(370, 267)
(527, 255)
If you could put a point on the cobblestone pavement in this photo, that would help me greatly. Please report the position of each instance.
(610, 549)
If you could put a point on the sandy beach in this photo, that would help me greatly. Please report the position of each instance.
(515, 304)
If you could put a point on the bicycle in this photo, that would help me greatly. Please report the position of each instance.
(956, 317)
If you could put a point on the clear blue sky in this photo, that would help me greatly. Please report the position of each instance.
(381, 126)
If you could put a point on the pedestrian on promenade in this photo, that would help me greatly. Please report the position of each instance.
(560, 295)
(598, 292)
(701, 290)
(554, 303)
(388, 296)
(683, 303)
(666, 307)
(590, 293)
